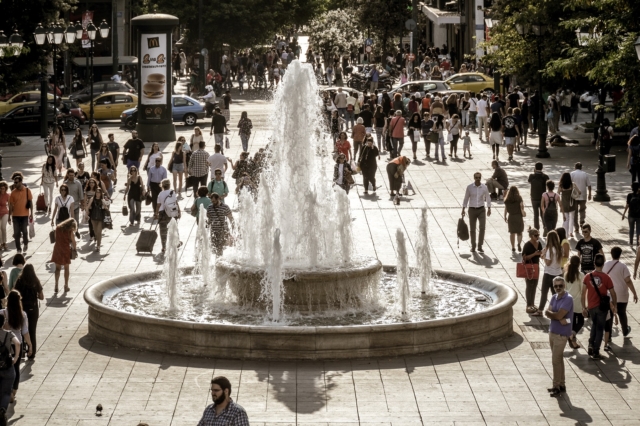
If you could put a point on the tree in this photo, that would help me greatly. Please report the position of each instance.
(384, 19)
(608, 58)
(335, 33)
(25, 16)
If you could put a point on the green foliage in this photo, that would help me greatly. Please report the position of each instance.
(25, 16)
(335, 32)
(384, 19)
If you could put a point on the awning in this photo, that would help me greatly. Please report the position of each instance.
(101, 61)
(440, 17)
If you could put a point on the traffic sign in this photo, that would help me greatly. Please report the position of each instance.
(411, 56)
(368, 42)
(410, 25)
(368, 49)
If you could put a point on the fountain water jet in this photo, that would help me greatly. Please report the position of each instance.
(404, 293)
(272, 281)
(203, 249)
(171, 271)
(423, 253)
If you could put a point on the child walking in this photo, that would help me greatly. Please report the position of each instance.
(466, 144)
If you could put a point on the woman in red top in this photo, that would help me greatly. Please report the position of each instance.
(65, 241)
(395, 171)
(343, 146)
(4, 214)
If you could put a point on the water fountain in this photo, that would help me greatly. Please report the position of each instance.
(293, 287)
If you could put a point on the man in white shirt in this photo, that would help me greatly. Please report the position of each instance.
(581, 179)
(217, 161)
(621, 277)
(473, 112)
(340, 101)
(475, 197)
(483, 116)
(350, 110)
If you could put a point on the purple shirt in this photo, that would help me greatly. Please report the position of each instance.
(566, 303)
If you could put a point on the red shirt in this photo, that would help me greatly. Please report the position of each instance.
(343, 148)
(602, 281)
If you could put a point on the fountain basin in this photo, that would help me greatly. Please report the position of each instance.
(116, 327)
(307, 290)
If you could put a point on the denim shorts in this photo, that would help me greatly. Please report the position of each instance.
(509, 140)
(178, 168)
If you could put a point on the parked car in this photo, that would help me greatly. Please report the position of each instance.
(185, 109)
(109, 106)
(101, 87)
(471, 81)
(422, 86)
(22, 99)
(76, 115)
(25, 120)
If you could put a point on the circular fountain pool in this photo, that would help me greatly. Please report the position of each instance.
(131, 311)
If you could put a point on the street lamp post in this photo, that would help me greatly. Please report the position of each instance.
(538, 31)
(55, 35)
(91, 33)
(601, 185)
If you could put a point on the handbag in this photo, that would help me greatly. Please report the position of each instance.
(416, 135)
(125, 211)
(79, 152)
(170, 166)
(449, 138)
(108, 222)
(354, 168)
(604, 300)
(148, 198)
(52, 236)
(74, 253)
(529, 271)
(227, 145)
(575, 193)
(433, 137)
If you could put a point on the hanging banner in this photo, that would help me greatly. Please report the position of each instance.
(87, 17)
(153, 69)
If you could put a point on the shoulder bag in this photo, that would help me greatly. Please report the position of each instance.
(604, 300)
(529, 271)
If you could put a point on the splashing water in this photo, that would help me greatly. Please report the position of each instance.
(423, 254)
(272, 282)
(404, 293)
(171, 272)
(203, 249)
(297, 179)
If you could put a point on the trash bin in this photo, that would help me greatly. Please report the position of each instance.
(609, 163)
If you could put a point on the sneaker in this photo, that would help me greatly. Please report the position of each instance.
(627, 331)
(596, 357)
(562, 388)
(473, 249)
(480, 249)
(607, 348)
(3, 417)
(590, 351)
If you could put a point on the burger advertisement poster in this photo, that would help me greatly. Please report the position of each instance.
(153, 74)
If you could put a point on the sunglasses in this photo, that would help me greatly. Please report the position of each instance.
(558, 286)
(218, 173)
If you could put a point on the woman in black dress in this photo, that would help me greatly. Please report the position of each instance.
(513, 215)
(368, 164)
(30, 289)
(415, 130)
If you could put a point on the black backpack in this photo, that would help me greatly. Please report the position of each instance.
(605, 136)
(634, 206)
(6, 353)
(463, 231)
(63, 211)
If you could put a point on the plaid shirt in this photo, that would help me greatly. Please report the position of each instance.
(233, 415)
(198, 165)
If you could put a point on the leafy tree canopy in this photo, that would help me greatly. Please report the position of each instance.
(384, 19)
(335, 32)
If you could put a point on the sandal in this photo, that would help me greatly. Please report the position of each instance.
(67, 289)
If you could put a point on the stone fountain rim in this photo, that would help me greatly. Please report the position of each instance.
(506, 297)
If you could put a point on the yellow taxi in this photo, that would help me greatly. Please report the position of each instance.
(110, 106)
(471, 82)
(22, 99)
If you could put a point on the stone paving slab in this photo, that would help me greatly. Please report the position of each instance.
(503, 383)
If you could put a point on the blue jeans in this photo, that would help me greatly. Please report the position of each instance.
(598, 320)
(350, 118)
(219, 138)
(93, 159)
(395, 144)
(20, 227)
(7, 378)
(133, 163)
(134, 210)
(440, 145)
(245, 142)
(342, 112)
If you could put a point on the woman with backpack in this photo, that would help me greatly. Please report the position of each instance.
(49, 179)
(495, 137)
(30, 289)
(245, 127)
(63, 206)
(78, 147)
(633, 157)
(568, 205)
(96, 207)
(549, 206)
(15, 320)
(633, 206)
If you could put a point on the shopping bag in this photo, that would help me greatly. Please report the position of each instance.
(227, 145)
(52, 236)
(529, 271)
(32, 228)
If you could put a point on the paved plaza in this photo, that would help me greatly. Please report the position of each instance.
(503, 383)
